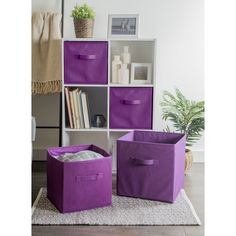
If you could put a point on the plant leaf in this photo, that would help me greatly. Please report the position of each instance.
(186, 116)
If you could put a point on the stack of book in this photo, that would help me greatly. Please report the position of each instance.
(77, 108)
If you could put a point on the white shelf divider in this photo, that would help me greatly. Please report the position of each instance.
(92, 129)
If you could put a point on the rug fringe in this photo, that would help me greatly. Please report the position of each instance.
(46, 87)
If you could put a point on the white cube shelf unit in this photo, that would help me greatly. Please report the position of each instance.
(125, 106)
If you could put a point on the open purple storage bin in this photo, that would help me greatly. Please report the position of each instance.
(150, 165)
(81, 185)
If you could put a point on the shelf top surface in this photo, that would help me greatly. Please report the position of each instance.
(111, 39)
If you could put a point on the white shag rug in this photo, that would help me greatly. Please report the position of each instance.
(124, 211)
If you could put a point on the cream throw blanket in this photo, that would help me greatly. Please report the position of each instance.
(46, 52)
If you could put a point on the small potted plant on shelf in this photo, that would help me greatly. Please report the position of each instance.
(186, 116)
(83, 17)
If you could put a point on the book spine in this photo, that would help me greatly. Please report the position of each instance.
(79, 102)
(72, 108)
(85, 111)
(77, 120)
(68, 107)
(88, 110)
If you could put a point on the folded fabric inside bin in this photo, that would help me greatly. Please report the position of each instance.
(79, 156)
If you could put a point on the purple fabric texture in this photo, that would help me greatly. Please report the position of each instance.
(77, 186)
(131, 108)
(85, 62)
(150, 165)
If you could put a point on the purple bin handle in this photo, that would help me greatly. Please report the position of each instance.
(131, 102)
(146, 162)
(87, 57)
(90, 177)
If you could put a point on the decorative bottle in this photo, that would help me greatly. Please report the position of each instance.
(126, 58)
(123, 74)
(116, 64)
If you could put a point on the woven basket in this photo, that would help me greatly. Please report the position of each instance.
(83, 28)
(188, 160)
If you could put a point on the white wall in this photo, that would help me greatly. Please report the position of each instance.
(178, 26)
(46, 5)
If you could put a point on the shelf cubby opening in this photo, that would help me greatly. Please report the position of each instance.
(140, 51)
(96, 103)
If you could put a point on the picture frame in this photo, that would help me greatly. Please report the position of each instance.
(141, 73)
(123, 26)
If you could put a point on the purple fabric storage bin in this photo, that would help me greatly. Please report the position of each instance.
(150, 165)
(81, 185)
(85, 62)
(131, 108)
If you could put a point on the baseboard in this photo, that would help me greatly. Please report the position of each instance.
(198, 156)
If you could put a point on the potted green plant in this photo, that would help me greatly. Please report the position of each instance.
(83, 17)
(186, 116)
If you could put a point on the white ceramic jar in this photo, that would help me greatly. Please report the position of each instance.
(123, 74)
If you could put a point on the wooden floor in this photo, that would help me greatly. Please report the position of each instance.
(194, 187)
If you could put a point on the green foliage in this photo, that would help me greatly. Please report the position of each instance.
(83, 12)
(187, 116)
